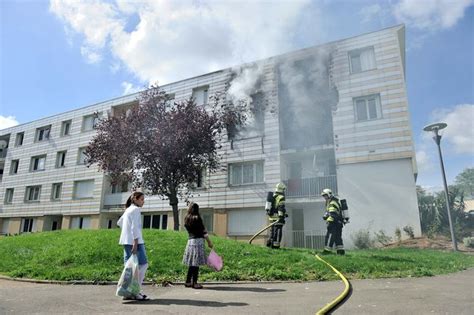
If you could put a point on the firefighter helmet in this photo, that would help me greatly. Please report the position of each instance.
(326, 192)
(280, 187)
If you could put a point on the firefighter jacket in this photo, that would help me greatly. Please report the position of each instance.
(333, 211)
(280, 212)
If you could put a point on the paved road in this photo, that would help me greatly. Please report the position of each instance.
(449, 294)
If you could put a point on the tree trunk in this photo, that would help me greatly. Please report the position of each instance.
(174, 205)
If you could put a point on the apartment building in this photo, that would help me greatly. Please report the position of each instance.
(331, 116)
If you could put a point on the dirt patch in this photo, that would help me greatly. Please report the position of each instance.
(439, 242)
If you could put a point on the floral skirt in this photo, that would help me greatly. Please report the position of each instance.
(195, 255)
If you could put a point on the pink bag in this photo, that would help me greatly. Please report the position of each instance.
(214, 261)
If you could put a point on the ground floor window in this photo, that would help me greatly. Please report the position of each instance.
(245, 222)
(27, 225)
(80, 223)
(155, 221)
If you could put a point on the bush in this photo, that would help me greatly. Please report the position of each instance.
(382, 238)
(409, 231)
(362, 239)
(398, 234)
(468, 242)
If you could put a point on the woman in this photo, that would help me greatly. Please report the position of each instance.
(194, 255)
(131, 236)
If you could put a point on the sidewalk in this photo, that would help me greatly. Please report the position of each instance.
(448, 294)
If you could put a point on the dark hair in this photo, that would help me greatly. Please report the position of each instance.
(193, 214)
(133, 197)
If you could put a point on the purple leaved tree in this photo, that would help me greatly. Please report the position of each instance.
(162, 146)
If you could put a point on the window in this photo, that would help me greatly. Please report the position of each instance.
(155, 221)
(120, 187)
(208, 220)
(38, 163)
(90, 122)
(79, 223)
(19, 139)
(170, 100)
(200, 94)
(246, 173)
(201, 179)
(32, 193)
(14, 167)
(56, 191)
(65, 128)
(83, 189)
(27, 225)
(9, 195)
(245, 222)
(367, 108)
(42, 133)
(81, 156)
(362, 59)
(61, 159)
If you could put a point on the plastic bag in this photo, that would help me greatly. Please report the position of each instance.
(214, 261)
(129, 283)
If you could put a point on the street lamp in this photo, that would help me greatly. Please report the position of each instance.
(435, 128)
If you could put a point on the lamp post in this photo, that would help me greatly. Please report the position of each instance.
(435, 128)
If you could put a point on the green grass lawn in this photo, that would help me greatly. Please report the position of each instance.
(95, 255)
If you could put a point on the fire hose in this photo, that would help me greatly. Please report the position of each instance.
(333, 304)
(262, 230)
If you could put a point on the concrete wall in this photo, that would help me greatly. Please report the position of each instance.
(381, 196)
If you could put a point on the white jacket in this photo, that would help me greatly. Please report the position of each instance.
(131, 224)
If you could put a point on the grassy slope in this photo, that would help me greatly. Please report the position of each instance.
(96, 255)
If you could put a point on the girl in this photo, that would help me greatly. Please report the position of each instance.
(194, 255)
(131, 236)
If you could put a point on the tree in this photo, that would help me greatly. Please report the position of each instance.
(162, 146)
(465, 181)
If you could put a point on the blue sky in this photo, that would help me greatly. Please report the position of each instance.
(60, 55)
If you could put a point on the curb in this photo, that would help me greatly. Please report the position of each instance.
(164, 284)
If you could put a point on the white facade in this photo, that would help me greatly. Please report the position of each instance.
(336, 116)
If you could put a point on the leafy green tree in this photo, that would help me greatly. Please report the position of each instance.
(465, 181)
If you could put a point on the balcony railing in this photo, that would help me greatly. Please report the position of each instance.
(310, 187)
(313, 239)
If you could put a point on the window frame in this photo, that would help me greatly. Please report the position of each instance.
(205, 91)
(80, 151)
(8, 199)
(74, 194)
(95, 120)
(66, 127)
(359, 52)
(232, 166)
(33, 163)
(148, 220)
(54, 191)
(366, 99)
(19, 136)
(40, 132)
(15, 162)
(28, 193)
(60, 154)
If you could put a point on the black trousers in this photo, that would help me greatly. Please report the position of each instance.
(193, 273)
(275, 236)
(333, 236)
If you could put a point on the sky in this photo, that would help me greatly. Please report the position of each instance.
(58, 55)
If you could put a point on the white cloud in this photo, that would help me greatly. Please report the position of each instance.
(424, 161)
(460, 131)
(129, 88)
(370, 12)
(6, 122)
(430, 14)
(178, 39)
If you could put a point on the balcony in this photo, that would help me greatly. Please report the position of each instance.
(310, 187)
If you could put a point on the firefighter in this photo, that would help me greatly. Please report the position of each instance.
(334, 221)
(278, 215)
